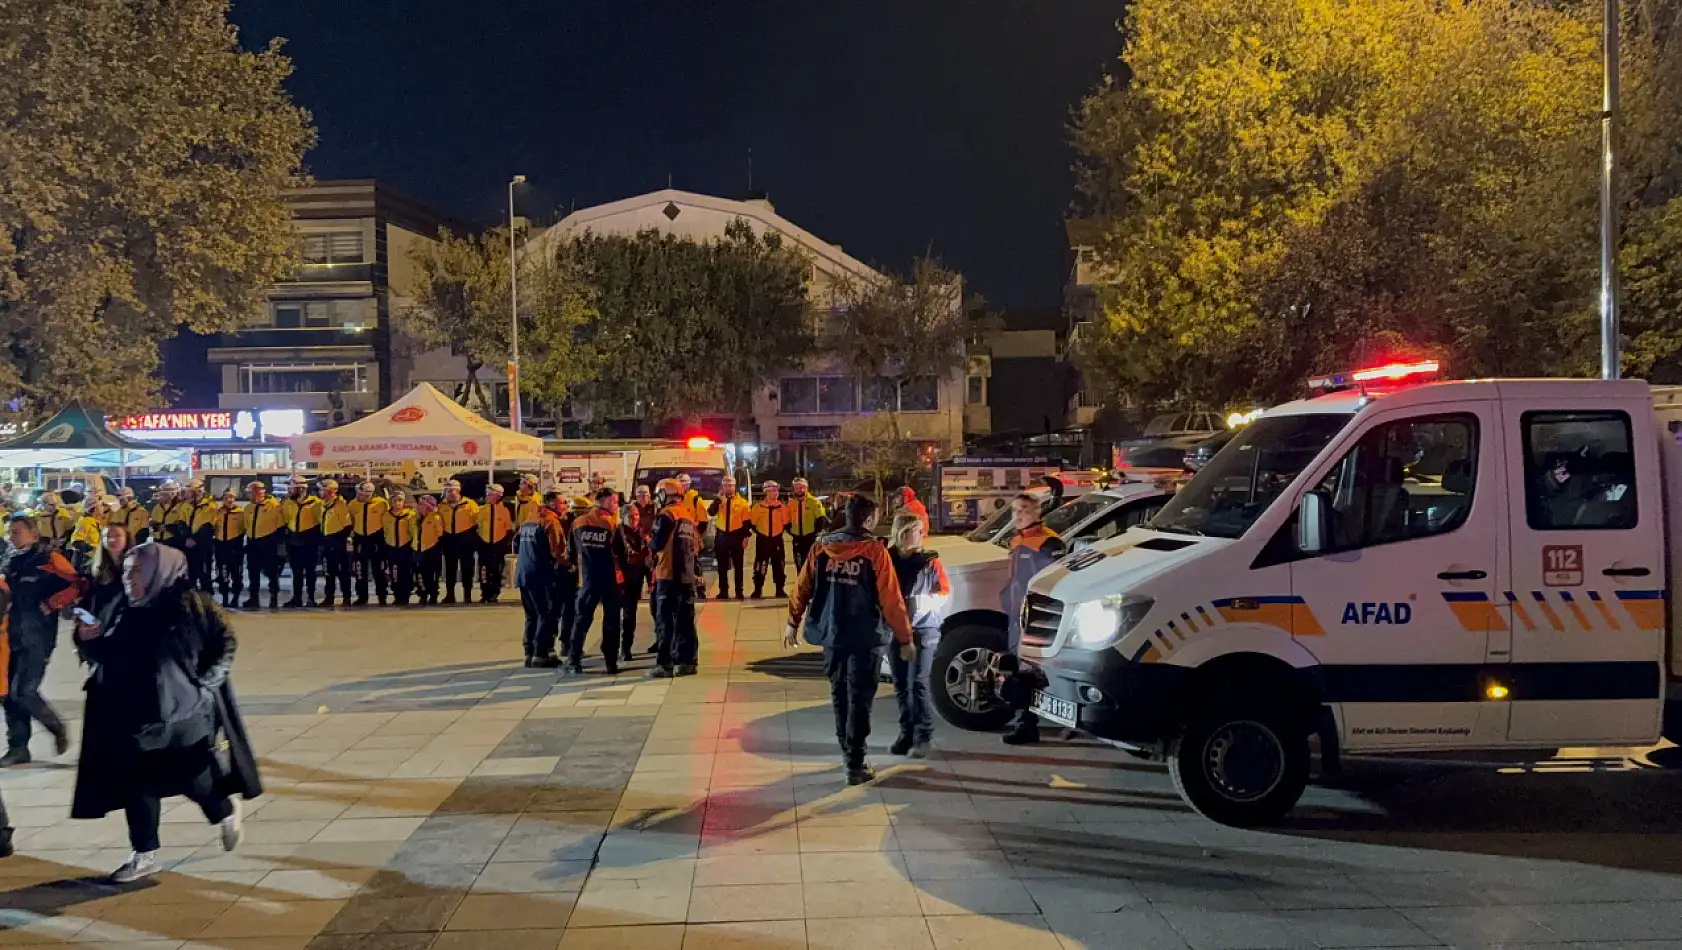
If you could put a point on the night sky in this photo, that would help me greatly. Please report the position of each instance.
(891, 127)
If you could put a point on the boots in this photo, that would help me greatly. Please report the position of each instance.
(858, 771)
(1025, 732)
(901, 746)
(6, 843)
(274, 600)
(19, 756)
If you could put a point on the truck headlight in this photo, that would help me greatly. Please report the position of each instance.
(1099, 623)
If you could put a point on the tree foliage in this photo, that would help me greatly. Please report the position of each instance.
(687, 325)
(899, 329)
(1290, 187)
(144, 156)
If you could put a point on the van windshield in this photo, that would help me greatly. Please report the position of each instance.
(1238, 484)
(707, 481)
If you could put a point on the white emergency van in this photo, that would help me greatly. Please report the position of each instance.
(1450, 566)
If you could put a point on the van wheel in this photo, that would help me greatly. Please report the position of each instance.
(966, 666)
(1245, 767)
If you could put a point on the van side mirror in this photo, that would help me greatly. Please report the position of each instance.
(1311, 523)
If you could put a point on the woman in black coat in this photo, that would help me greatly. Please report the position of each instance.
(160, 718)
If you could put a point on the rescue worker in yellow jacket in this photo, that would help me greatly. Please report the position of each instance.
(770, 523)
(335, 543)
(84, 538)
(132, 516)
(732, 524)
(428, 546)
(494, 523)
(400, 524)
(170, 516)
(461, 541)
(227, 526)
(54, 521)
(367, 538)
(528, 502)
(302, 512)
(265, 534)
(201, 537)
(806, 520)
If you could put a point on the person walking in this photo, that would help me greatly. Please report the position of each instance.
(160, 718)
(201, 537)
(926, 589)
(400, 524)
(674, 545)
(598, 546)
(770, 523)
(265, 535)
(806, 519)
(367, 530)
(639, 534)
(731, 526)
(1033, 548)
(302, 512)
(494, 525)
(42, 583)
(540, 550)
(228, 527)
(429, 552)
(854, 595)
(460, 539)
(335, 544)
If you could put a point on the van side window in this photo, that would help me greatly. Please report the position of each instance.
(1579, 471)
(1406, 479)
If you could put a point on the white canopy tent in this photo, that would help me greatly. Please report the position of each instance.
(423, 426)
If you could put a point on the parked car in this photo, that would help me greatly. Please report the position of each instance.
(1199, 455)
(974, 633)
(1165, 458)
(1184, 423)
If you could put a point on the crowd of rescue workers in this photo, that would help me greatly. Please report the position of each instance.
(140, 585)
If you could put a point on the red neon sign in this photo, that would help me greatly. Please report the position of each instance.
(176, 421)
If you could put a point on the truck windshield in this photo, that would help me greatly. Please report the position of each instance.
(1233, 490)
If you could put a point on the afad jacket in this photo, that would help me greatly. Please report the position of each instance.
(847, 592)
(1032, 550)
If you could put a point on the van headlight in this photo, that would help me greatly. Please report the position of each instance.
(1099, 623)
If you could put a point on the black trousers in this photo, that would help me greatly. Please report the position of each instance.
(630, 596)
(767, 551)
(566, 603)
(370, 564)
(230, 567)
(542, 619)
(588, 600)
(458, 560)
(303, 551)
(335, 559)
(145, 808)
(729, 549)
(493, 560)
(200, 560)
(852, 688)
(676, 643)
(402, 562)
(429, 564)
(262, 559)
(28, 667)
(802, 550)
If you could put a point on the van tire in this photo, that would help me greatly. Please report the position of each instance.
(1276, 764)
(953, 657)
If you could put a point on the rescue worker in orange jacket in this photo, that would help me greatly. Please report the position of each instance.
(42, 583)
(541, 550)
(639, 518)
(598, 548)
(851, 585)
(494, 524)
(1033, 548)
(770, 523)
(674, 546)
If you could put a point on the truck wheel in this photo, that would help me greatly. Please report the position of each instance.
(1244, 767)
(965, 665)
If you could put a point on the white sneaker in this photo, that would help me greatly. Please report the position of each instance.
(233, 829)
(140, 864)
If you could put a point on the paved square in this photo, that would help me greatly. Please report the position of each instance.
(424, 791)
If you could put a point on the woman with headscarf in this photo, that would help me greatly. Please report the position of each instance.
(160, 717)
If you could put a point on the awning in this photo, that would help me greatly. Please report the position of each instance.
(423, 425)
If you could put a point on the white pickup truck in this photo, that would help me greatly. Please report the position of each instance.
(978, 564)
(1448, 567)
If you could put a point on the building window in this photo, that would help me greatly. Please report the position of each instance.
(349, 314)
(919, 394)
(798, 394)
(843, 395)
(837, 394)
(303, 377)
(975, 390)
(881, 394)
(333, 247)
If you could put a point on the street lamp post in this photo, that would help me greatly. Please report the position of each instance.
(513, 314)
(1609, 343)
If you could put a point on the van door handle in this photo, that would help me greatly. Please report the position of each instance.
(1626, 572)
(1461, 576)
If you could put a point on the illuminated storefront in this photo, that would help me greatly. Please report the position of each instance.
(223, 440)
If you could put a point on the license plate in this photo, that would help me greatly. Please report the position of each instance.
(1060, 711)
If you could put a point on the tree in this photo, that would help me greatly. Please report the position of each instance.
(462, 303)
(1289, 188)
(874, 449)
(145, 156)
(685, 326)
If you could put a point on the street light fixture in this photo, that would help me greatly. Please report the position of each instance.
(513, 313)
(1610, 358)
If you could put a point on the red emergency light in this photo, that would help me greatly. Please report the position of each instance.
(1388, 373)
(699, 443)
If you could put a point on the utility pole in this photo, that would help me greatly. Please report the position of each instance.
(1610, 357)
(513, 313)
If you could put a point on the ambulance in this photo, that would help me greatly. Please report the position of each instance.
(1393, 565)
